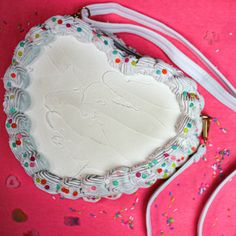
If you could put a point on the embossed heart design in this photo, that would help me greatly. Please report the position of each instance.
(12, 182)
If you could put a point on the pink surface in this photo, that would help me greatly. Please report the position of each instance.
(210, 25)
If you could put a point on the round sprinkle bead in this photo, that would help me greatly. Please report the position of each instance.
(117, 60)
(138, 174)
(46, 187)
(37, 180)
(115, 182)
(13, 75)
(79, 29)
(59, 22)
(144, 176)
(185, 130)
(75, 193)
(158, 72)
(22, 44)
(133, 63)
(13, 125)
(18, 142)
(19, 136)
(43, 181)
(93, 188)
(68, 25)
(164, 71)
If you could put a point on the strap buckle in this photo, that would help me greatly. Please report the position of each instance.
(78, 14)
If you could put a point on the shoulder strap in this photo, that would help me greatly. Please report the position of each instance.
(227, 96)
(210, 200)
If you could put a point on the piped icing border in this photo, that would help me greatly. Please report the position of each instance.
(158, 165)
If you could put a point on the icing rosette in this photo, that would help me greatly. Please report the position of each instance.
(18, 122)
(17, 77)
(65, 25)
(94, 185)
(33, 162)
(25, 53)
(121, 177)
(16, 100)
(39, 35)
(21, 142)
(47, 181)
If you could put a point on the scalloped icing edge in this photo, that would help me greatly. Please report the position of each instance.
(159, 164)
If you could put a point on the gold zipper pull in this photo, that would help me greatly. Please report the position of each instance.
(206, 121)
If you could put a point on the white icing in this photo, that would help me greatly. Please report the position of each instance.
(88, 118)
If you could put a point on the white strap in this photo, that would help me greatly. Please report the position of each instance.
(200, 152)
(210, 200)
(226, 96)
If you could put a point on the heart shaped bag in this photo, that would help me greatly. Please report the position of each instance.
(88, 117)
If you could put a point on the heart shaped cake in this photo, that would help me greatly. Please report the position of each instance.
(87, 119)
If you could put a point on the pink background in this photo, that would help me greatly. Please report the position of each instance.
(210, 25)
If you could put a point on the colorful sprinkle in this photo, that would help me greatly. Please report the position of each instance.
(20, 53)
(26, 164)
(93, 188)
(19, 216)
(71, 221)
(22, 44)
(115, 182)
(43, 181)
(18, 142)
(174, 147)
(68, 25)
(32, 164)
(59, 22)
(144, 176)
(54, 19)
(13, 75)
(133, 63)
(138, 174)
(75, 193)
(185, 130)
(46, 187)
(117, 60)
(164, 71)
(13, 125)
(79, 29)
